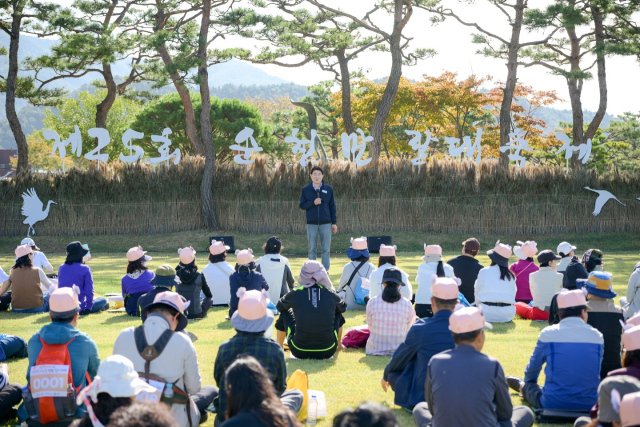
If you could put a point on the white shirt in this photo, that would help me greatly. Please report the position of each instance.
(425, 271)
(489, 288)
(562, 265)
(544, 283)
(217, 277)
(272, 268)
(376, 282)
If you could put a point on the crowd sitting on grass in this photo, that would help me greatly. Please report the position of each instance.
(435, 338)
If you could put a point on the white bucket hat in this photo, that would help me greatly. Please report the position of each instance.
(117, 377)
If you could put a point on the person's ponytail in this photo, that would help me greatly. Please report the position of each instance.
(440, 269)
(391, 293)
(506, 274)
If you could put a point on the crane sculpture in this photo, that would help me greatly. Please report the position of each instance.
(32, 208)
(604, 197)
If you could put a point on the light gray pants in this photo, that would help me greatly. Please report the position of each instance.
(323, 232)
(522, 417)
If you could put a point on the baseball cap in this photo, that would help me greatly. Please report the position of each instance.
(547, 256)
(565, 248)
(471, 246)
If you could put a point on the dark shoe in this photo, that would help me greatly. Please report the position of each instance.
(515, 383)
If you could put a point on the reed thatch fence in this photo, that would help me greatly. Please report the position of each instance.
(443, 196)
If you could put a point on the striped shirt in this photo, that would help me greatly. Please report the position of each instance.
(389, 324)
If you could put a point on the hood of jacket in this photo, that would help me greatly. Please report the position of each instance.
(187, 273)
(271, 262)
(58, 333)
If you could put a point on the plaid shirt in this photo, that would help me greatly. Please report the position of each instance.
(389, 324)
(268, 353)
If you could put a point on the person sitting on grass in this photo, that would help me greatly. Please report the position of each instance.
(276, 269)
(311, 315)
(432, 264)
(406, 372)
(39, 258)
(545, 283)
(245, 276)
(523, 268)
(466, 267)
(176, 363)
(137, 281)
(251, 398)
(367, 414)
(465, 371)
(193, 284)
(43, 349)
(115, 386)
(572, 351)
(495, 288)
(75, 272)
(592, 260)
(389, 316)
(353, 272)
(12, 346)
(10, 394)
(386, 260)
(217, 273)
(26, 282)
(250, 321)
(606, 414)
(566, 251)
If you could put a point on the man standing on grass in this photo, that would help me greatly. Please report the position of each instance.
(317, 199)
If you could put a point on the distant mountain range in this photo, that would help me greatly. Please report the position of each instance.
(233, 79)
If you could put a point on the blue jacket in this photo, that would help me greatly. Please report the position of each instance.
(325, 212)
(83, 352)
(426, 338)
(244, 278)
(572, 351)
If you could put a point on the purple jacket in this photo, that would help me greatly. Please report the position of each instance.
(522, 269)
(141, 284)
(80, 275)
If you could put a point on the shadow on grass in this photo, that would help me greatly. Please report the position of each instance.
(121, 318)
(502, 328)
(374, 362)
(538, 324)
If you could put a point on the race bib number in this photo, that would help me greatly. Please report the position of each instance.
(154, 396)
(366, 283)
(49, 380)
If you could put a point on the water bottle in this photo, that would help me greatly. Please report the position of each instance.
(70, 407)
(312, 413)
(168, 391)
(29, 404)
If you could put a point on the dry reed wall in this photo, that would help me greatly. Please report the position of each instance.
(444, 196)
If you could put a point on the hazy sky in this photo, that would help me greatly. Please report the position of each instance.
(456, 53)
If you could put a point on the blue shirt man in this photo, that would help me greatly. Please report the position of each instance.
(320, 206)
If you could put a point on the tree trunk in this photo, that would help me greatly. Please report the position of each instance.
(345, 82)
(183, 91)
(102, 109)
(206, 195)
(10, 103)
(512, 79)
(575, 95)
(393, 82)
(602, 72)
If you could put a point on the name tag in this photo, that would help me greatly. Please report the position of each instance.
(324, 191)
(49, 380)
(151, 397)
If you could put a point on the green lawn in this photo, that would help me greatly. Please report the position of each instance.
(349, 379)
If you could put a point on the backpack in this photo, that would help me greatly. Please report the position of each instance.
(299, 381)
(167, 392)
(52, 394)
(362, 290)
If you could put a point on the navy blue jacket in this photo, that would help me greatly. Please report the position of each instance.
(426, 338)
(243, 278)
(325, 212)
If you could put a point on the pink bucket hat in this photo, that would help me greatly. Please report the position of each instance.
(567, 298)
(634, 321)
(467, 319)
(525, 250)
(432, 253)
(244, 257)
(63, 302)
(172, 300)
(359, 244)
(23, 250)
(500, 254)
(218, 247)
(187, 255)
(137, 253)
(252, 314)
(630, 409)
(444, 287)
(631, 338)
(388, 250)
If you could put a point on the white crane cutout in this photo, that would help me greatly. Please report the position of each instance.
(604, 197)
(32, 208)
